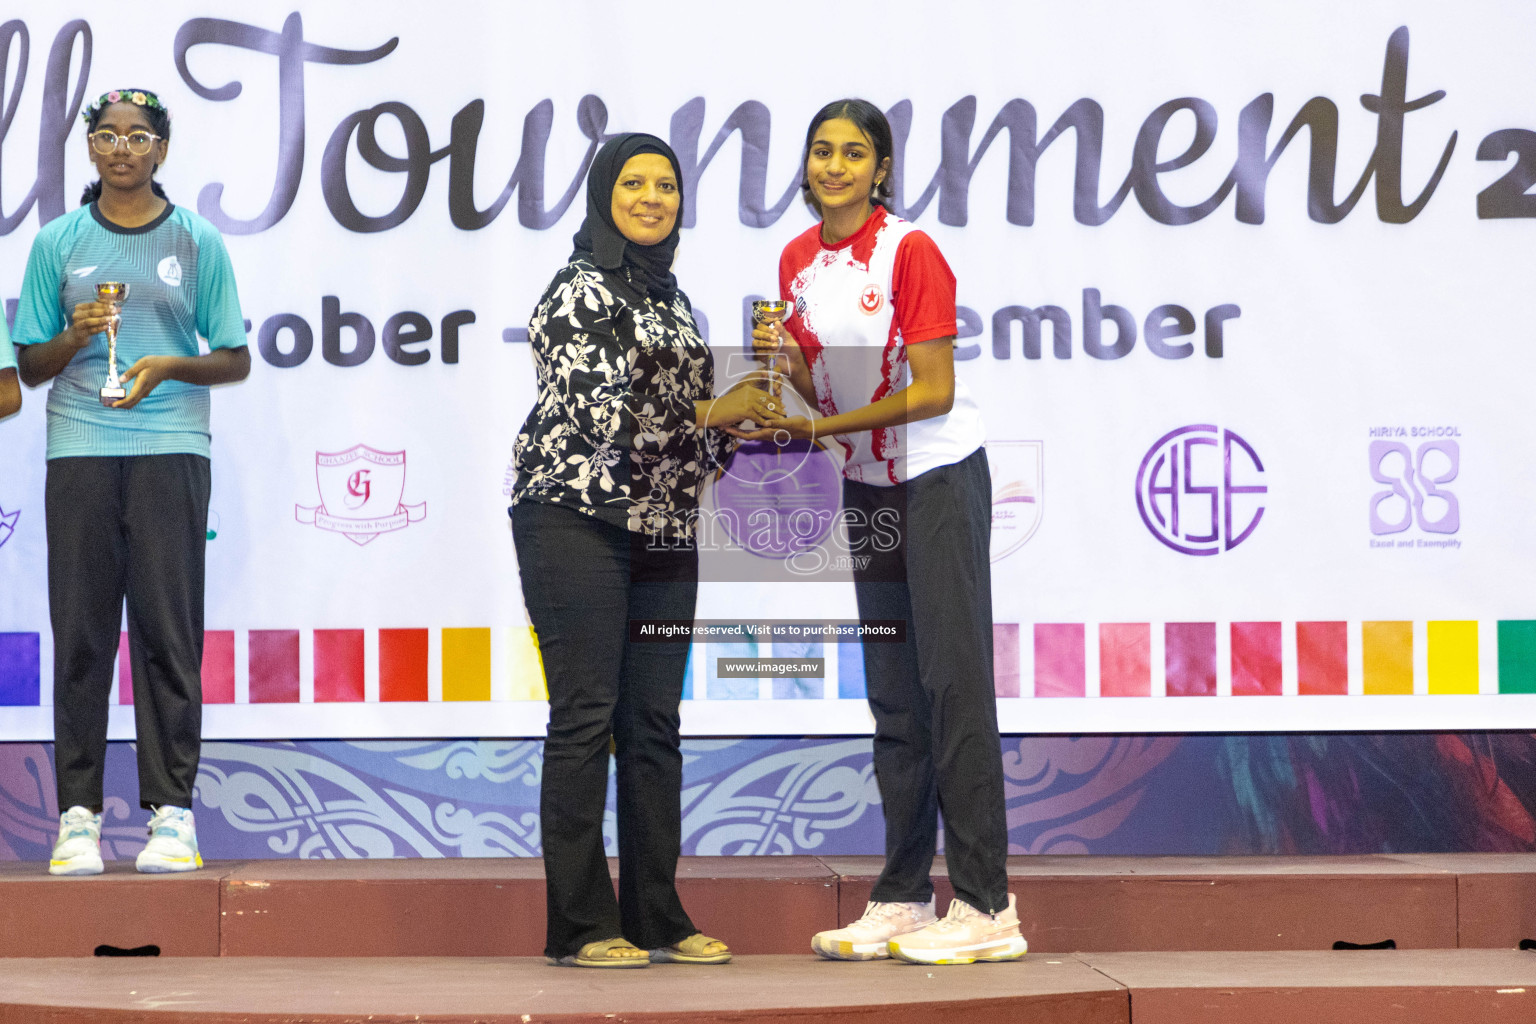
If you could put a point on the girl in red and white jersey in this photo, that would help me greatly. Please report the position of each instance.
(869, 344)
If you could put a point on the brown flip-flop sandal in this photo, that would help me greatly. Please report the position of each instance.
(695, 949)
(602, 954)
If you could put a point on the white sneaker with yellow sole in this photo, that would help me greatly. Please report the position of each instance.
(964, 936)
(78, 849)
(172, 843)
(866, 938)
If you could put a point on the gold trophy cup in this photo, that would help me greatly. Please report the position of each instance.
(114, 293)
(768, 311)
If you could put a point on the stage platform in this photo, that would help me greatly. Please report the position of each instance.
(772, 905)
(1112, 941)
(1382, 987)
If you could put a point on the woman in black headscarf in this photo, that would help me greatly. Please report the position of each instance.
(610, 463)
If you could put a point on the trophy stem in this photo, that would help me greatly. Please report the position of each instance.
(766, 312)
(112, 377)
(114, 391)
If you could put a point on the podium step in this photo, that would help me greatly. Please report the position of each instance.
(771, 905)
(1396, 987)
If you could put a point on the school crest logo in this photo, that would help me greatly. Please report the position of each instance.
(1018, 493)
(170, 271)
(360, 492)
(1200, 489)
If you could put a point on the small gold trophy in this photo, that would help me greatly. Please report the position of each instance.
(768, 311)
(115, 293)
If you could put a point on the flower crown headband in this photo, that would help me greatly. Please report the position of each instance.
(138, 97)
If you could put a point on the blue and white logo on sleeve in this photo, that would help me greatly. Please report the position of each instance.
(170, 271)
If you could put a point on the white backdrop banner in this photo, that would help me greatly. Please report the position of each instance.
(1238, 304)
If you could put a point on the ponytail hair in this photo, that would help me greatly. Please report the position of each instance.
(154, 112)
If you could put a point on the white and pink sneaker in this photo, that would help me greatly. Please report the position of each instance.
(867, 937)
(964, 936)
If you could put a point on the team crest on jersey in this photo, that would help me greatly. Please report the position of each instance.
(170, 271)
(360, 492)
(871, 299)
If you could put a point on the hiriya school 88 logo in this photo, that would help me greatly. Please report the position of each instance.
(1416, 479)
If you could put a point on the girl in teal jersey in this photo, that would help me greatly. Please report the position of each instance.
(10, 389)
(126, 498)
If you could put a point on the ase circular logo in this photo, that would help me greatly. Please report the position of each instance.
(1200, 489)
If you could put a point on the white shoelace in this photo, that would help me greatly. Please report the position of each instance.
(955, 919)
(166, 814)
(77, 822)
(876, 912)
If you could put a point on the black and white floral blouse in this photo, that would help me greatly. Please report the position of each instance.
(611, 433)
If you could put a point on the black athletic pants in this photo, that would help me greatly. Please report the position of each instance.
(936, 739)
(127, 526)
(583, 581)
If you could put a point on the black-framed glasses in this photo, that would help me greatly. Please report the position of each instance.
(139, 142)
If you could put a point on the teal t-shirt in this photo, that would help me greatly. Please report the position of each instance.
(7, 351)
(180, 286)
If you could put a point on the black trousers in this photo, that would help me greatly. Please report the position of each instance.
(936, 739)
(135, 527)
(583, 581)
